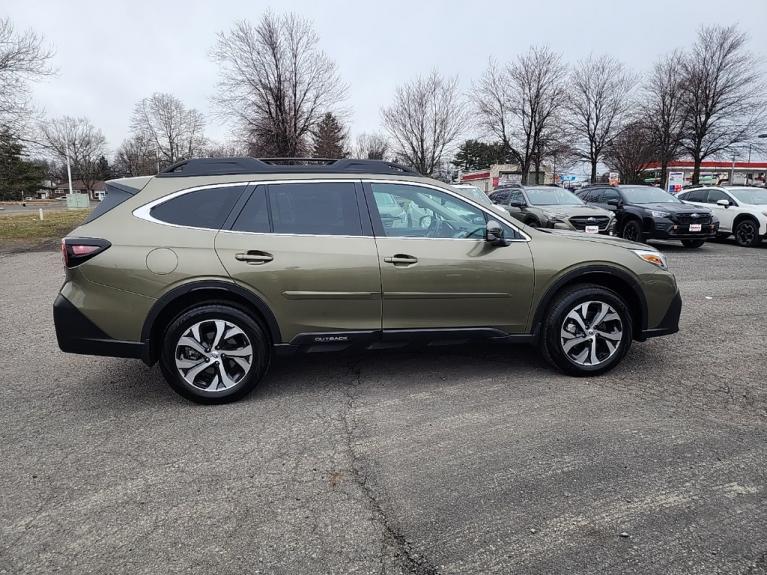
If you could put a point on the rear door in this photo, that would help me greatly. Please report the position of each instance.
(303, 247)
(438, 272)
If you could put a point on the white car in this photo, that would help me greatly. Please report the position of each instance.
(742, 211)
(474, 193)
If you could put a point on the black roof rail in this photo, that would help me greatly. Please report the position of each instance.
(245, 165)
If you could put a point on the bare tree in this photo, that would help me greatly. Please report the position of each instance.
(662, 110)
(520, 102)
(175, 131)
(598, 105)
(371, 147)
(724, 100)
(631, 152)
(276, 83)
(425, 119)
(136, 156)
(230, 149)
(23, 58)
(78, 139)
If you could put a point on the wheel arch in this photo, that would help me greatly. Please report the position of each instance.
(615, 279)
(170, 304)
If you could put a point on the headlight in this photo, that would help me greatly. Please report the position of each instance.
(652, 257)
(657, 214)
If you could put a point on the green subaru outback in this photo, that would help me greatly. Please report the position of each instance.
(214, 265)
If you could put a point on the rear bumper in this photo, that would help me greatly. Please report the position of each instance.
(77, 334)
(670, 322)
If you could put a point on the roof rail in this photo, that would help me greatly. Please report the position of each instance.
(245, 165)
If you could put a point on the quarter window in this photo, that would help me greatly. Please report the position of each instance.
(322, 208)
(207, 208)
(415, 211)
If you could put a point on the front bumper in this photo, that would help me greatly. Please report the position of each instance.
(668, 230)
(77, 334)
(670, 322)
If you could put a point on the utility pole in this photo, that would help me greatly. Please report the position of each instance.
(69, 169)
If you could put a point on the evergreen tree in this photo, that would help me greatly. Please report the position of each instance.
(476, 155)
(329, 138)
(18, 177)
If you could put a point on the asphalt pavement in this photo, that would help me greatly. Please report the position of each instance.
(474, 459)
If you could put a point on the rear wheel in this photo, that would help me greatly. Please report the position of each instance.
(587, 331)
(632, 231)
(693, 243)
(747, 233)
(214, 353)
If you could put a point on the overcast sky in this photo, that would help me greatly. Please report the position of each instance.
(111, 54)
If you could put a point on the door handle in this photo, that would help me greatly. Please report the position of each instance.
(254, 257)
(401, 259)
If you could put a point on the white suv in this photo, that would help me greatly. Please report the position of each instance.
(742, 211)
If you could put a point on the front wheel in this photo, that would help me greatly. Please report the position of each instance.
(214, 353)
(693, 243)
(588, 330)
(747, 233)
(632, 231)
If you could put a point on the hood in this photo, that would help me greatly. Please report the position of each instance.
(675, 208)
(598, 239)
(570, 211)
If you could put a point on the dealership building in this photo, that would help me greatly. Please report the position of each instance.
(713, 172)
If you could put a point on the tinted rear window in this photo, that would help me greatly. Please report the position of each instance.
(326, 208)
(206, 208)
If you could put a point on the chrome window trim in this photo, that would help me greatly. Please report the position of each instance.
(456, 195)
(143, 212)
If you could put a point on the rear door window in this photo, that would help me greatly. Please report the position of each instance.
(254, 216)
(316, 208)
(695, 196)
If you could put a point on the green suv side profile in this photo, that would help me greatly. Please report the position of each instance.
(214, 265)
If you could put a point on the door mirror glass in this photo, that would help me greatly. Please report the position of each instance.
(494, 233)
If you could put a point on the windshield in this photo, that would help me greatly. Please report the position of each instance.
(552, 197)
(648, 195)
(474, 194)
(749, 195)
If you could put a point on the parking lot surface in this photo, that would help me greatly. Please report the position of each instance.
(474, 459)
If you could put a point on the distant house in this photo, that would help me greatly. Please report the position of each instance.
(96, 194)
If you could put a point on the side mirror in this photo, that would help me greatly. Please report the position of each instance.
(494, 234)
(724, 203)
(517, 204)
(616, 203)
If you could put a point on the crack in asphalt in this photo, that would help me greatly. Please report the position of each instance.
(413, 562)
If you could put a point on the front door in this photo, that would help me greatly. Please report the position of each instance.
(437, 270)
(303, 249)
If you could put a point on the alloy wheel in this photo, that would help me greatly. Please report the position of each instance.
(745, 233)
(591, 333)
(213, 355)
(631, 232)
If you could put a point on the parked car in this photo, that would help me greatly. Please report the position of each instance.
(741, 211)
(214, 265)
(474, 193)
(553, 207)
(646, 212)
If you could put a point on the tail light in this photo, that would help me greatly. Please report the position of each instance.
(75, 251)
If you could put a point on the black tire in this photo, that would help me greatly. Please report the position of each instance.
(693, 243)
(557, 320)
(632, 231)
(205, 314)
(747, 233)
(533, 223)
